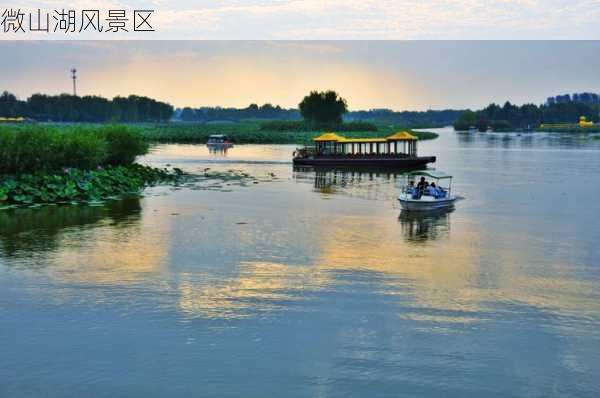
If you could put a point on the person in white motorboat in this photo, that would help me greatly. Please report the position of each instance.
(427, 195)
(421, 189)
(412, 190)
(425, 188)
(431, 190)
(435, 191)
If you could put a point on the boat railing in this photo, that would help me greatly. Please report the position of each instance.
(307, 151)
(356, 155)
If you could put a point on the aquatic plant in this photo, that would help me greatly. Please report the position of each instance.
(74, 185)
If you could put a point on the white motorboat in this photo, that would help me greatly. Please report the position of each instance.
(426, 195)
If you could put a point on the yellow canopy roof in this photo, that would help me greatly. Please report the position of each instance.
(351, 140)
(399, 136)
(402, 136)
(328, 137)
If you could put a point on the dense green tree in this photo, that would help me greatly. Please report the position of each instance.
(323, 108)
(9, 105)
(482, 124)
(465, 121)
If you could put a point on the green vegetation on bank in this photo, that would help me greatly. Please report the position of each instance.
(49, 164)
(43, 148)
(282, 125)
(257, 133)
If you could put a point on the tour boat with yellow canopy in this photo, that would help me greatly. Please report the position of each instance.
(398, 151)
(419, 194)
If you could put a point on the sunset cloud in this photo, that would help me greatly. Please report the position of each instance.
(369, 74)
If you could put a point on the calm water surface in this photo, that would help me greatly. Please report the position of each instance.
(314, 284)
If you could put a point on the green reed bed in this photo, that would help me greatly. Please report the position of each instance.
(259, 133)
(299, 125)
(45, 164)
(39, 148)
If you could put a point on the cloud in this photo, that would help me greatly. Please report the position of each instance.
(395, 19)
(369, 74)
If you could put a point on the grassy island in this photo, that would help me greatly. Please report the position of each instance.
(42, 164)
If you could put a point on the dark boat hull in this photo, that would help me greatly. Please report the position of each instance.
(379, 163)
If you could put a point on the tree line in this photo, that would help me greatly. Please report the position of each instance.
(71, 108)
(253, 111)
(317, 109)
(584, 98)
(330, 107)
(429, 118)
(527, 116)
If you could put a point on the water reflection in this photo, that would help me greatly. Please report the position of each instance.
(257, 288)
(423, 227)
(117, 244)
(218, 150)
(523, 140)
(366, 183)
(24, 230)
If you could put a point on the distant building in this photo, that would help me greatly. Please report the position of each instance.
(12, 119)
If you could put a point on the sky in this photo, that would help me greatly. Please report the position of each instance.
(351, 19)
(400, 75)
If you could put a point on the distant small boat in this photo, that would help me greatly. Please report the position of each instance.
(219, 141)
(424, 196)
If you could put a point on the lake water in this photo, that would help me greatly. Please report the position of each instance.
(314, 284)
